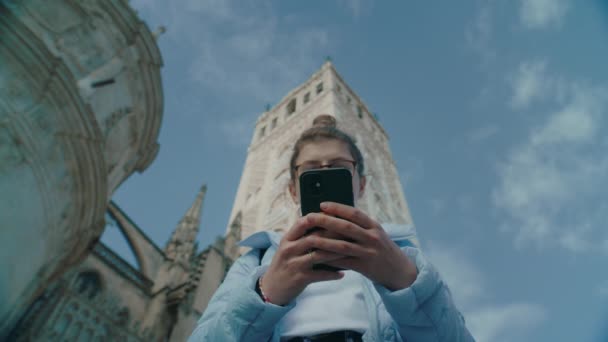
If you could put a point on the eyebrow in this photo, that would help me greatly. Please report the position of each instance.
(331, 160)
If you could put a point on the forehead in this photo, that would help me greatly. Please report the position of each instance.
(321, 150)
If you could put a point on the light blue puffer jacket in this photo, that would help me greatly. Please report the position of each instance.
(422, 312)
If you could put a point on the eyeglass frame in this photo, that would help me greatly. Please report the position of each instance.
(327, 165)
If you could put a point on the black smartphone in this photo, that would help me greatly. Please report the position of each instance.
(325, 185)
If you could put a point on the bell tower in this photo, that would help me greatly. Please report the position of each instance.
(262, 201)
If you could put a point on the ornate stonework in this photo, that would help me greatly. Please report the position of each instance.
(80, 111)
(105, 298)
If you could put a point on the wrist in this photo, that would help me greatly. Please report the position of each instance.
(260, 291)
(403, 279)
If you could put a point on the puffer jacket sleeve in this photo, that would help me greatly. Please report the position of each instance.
(236, 312)
(425, 311)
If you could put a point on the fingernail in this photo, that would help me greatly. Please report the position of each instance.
(324, 205)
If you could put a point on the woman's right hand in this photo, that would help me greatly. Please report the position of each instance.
(291, 268)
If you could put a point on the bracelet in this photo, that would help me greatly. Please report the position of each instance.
(261, 292)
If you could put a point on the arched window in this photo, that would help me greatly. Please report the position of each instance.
(291, 107)
(88, 284)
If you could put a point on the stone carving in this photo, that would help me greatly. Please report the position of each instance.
(117, 115)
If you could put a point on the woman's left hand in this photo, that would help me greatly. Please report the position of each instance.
(370, 251)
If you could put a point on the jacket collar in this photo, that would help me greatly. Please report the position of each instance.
(261, 240)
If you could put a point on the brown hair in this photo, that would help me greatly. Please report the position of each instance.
(324, 128)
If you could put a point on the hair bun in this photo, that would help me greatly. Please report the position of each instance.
(324, 120)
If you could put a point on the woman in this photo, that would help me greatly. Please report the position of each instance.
(387, 291)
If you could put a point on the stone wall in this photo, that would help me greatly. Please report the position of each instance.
(80, 110)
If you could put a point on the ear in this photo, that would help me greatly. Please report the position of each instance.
(362, 183)
(293, 192)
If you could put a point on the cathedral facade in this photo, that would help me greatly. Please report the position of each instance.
(80, 111)
(105, 298)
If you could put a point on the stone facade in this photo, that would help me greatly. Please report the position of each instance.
(80, 111)
(106, 299)
(263, 202)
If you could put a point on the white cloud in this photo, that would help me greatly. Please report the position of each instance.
(412, 171)
(486, 322)
(478, 33)
(437, 205)
(463, 278)
(574, 242)
(540, 14)
(602, 290)
(551, 184)
(249, 53)
(504, 323)
(604, 246)
(483, 133)
(240, 52)
(529, 83)
(236, 131)
(356, 7)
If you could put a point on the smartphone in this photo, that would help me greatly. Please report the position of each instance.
(325, 185)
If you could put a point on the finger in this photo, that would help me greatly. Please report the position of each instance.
(340, 226)
(342, 247)
(306, 261)
(349, 213)
(299, 229)
(320, 257)
(348, 263)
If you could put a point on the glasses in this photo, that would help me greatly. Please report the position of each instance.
(350, 165)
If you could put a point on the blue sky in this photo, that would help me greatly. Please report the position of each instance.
(497, 116)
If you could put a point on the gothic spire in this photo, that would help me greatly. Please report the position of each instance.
(182, 243)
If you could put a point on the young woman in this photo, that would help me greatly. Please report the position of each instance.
(387, 291)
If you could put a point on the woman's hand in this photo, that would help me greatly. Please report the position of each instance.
(370, 251)
(291, 268)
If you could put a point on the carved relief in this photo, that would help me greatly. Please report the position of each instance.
(84, 45)
(57, 18)
(16, 86)
(114, 118)
(10, 152)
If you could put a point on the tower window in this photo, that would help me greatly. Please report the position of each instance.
(338, 88)
(360, 112)
(291, 107)
(319, 88)
(274, 123)
(306, 97)
(262, 131)
(348, 99)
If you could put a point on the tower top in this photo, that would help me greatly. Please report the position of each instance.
(181, 245)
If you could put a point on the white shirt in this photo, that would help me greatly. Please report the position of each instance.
(328, 306)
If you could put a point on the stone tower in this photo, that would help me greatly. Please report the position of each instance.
(263, 201)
